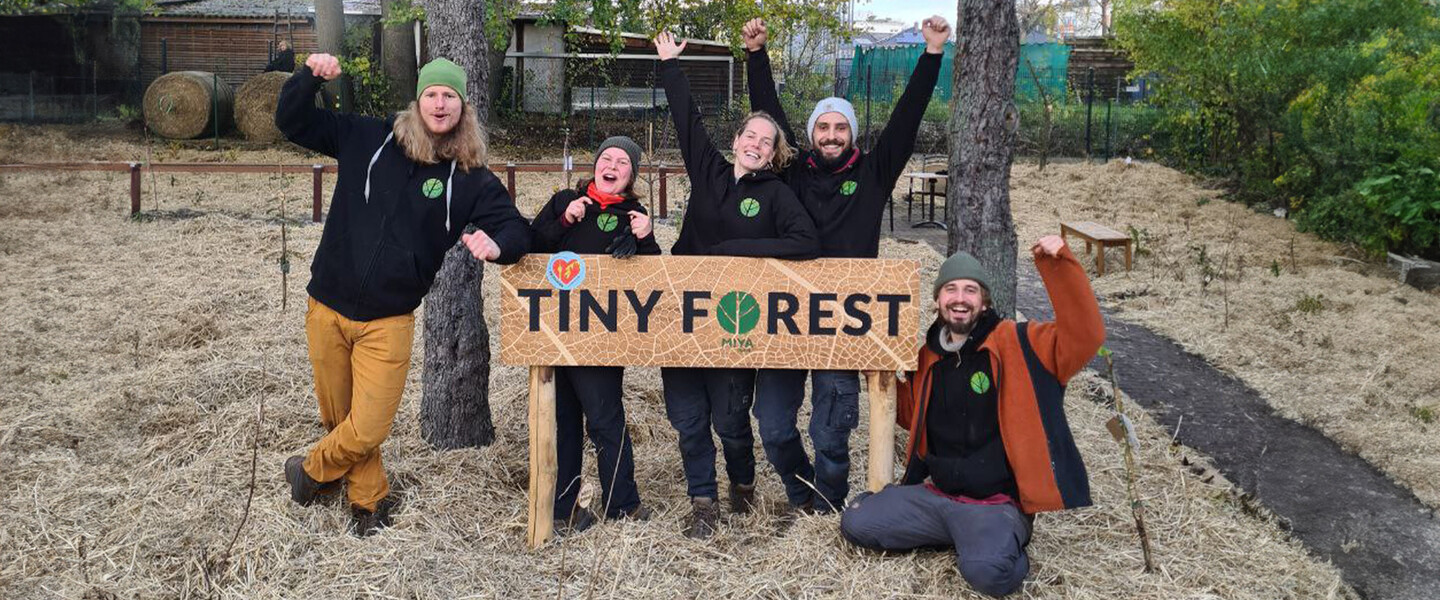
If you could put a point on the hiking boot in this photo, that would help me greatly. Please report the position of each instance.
(787, 514)
(330, 488)
(303, 489)
(704, 518)
(365, 523)
(639, 513)
(581, 518)
(742, 498)
(806, 508)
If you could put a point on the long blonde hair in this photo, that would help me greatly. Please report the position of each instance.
(784, 152)
(465, 144)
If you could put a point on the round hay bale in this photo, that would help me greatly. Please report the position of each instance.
(179, 105)
(255, 106)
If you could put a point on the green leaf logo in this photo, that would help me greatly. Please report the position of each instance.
(980, 382)
(848, 187)
(738, 313)
(432, 188)
(750, 207)
(606, 222)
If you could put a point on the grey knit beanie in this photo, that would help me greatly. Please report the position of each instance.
(961, 265)
(836, 105)
(631, 149)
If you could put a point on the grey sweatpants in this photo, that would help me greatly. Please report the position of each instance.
(989, 540)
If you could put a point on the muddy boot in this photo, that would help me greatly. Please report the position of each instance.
(303, 489)
(365, 523)
(742, 498)
(704, 518)
(581, 518)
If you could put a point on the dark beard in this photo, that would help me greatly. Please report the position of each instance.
(830, 165)
(959, 330)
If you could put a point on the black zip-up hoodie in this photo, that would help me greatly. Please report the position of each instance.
(392, 219)
(591, 234)
(757, 215)
(846, 198)
(966, 454)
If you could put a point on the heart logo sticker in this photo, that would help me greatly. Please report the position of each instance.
(566, 270)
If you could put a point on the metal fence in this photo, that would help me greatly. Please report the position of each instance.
(548, 103)
(48, 98)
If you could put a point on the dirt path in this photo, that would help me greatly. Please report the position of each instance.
(1384, 540)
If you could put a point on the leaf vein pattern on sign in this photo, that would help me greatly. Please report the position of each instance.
(545, 328)
(710, 345)
(810, 287)
(675, 294)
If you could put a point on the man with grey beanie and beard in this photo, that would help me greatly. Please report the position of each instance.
(846, 192)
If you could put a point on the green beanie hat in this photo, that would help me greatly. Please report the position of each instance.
(441, 72)
(624, 143)
(961, 266)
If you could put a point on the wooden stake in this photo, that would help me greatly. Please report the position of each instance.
(881, 469)
(1137, 505)
(542, 455)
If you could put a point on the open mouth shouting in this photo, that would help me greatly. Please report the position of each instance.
(960, 316)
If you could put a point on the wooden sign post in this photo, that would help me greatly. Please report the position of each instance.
(711, 312)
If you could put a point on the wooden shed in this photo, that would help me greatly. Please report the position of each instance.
(231, 38)
(549, 74)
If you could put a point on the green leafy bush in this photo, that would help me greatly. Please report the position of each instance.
(1328, 107)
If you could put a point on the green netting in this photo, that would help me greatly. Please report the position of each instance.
(886, 70)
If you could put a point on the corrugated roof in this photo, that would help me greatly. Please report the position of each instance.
(908, 36)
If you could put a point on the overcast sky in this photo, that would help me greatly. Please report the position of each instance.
(908, 11)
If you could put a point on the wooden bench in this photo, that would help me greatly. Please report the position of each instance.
(1097, 234)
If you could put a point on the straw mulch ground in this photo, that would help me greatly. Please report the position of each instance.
(137, 355)
(1329, 337)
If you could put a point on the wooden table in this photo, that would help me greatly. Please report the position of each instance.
(928, 183)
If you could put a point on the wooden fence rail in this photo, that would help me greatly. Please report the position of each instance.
(317, 171)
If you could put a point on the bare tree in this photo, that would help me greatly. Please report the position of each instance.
(983, 125)
(455, 402)
(397, 53)
(330, 37)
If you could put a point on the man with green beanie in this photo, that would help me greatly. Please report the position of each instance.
(989, 444)
(407, 188)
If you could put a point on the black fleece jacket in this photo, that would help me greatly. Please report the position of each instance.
(378, 256)
(757, 215)
(966, 452)
(846, 200)
(591, 234)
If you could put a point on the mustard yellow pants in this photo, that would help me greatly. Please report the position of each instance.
(360, 369)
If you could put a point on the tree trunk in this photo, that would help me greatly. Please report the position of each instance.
(455, 401)
(330, 38)
(983, 126)
(397, 56)
(455, 407)
(457, 32)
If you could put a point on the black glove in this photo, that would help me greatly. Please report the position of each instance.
(623, 246)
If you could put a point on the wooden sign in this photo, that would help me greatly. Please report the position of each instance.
(693, 311)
